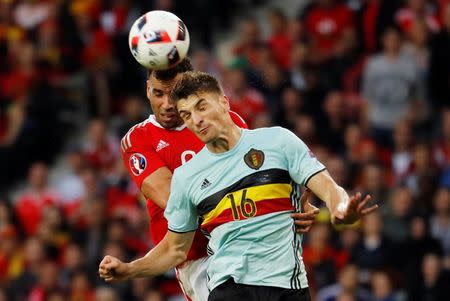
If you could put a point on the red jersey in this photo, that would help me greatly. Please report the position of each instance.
(326, 25)
(147, 147)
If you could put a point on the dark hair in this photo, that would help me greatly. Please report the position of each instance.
(194, 82)
(169, 74)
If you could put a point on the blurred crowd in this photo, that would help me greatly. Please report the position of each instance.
(365, 83)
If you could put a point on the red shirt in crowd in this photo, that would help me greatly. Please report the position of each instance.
(281, 46)
(29, 208)
(249, 105)
(326, 25)
(406, 17)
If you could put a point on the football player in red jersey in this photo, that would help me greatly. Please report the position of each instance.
(152, 150)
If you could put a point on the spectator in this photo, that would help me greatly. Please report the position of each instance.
(139, 288)
(374, 250)
(320, 258)
(245, 101)
(440, 220)
(292, 104)
(349, 238)
(382, 289)
(52, 231)
(332, 129)
(413, 10)
(274, 81)
(305, 128)
(100, 149)
(423, 177)
(47, 282)
(441, 148)
(373, 181)
(330, 27)
(346, 287)
(70, 185)
(81, 287)
(34, 256)
(279, 40)
(397, 214)
(11, 258)
(72, 260)
(249, 41)
(299, 60)
(134, 111)
(78, 210)
(420, 244)
(434, 281)
(38, 195)
(391, 87)
(402, 152)
(338, 170)
(416, 47)
(106, 294)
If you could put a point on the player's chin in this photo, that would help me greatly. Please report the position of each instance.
(171, 122)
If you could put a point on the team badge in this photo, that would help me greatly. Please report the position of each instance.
(137, 163)
(254, 158)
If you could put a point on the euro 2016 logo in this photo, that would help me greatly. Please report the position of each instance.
(137, 164)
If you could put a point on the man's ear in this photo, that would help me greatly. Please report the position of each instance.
(226, 102)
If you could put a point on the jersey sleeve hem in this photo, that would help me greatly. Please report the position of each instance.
(313, 174)
(184, 231)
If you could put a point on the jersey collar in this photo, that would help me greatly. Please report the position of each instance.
(153, 121)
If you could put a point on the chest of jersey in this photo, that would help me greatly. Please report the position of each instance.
(175, 147)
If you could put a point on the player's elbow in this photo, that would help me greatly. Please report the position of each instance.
(179, 255)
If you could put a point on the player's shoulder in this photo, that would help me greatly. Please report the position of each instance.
(134, 136)
(274, 137)
(269, 131)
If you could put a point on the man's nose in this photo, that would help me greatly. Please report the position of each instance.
(197, 119)
(166, 104)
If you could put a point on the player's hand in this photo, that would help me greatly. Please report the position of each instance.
(112, 269)
(351, 211)
(304, 220)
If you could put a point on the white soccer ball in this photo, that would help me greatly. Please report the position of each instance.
(158, 40)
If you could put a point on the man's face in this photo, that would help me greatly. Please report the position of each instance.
(158, 93)
(204, 114)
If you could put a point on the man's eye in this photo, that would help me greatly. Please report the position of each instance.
(202, 108)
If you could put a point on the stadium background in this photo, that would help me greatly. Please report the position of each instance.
(365, 83)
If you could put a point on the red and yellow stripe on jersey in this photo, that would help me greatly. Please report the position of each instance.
(260, 193)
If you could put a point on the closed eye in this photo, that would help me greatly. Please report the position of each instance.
(185, 116)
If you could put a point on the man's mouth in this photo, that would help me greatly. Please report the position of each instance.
(204, 130)
(168, 115)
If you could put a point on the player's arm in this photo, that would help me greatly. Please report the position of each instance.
(344, 209)
(169, 253)
(182, 220)
(152, 175)
(156, 186)
(304, 220)
(305, 169)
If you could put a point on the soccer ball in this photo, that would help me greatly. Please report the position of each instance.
(158, 40)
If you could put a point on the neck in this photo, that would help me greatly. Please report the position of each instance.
(226, 141)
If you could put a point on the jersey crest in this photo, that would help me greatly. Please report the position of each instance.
(254, 158)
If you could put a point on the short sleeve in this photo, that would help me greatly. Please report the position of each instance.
(302, 163)
(140, 162)
(180, 212)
